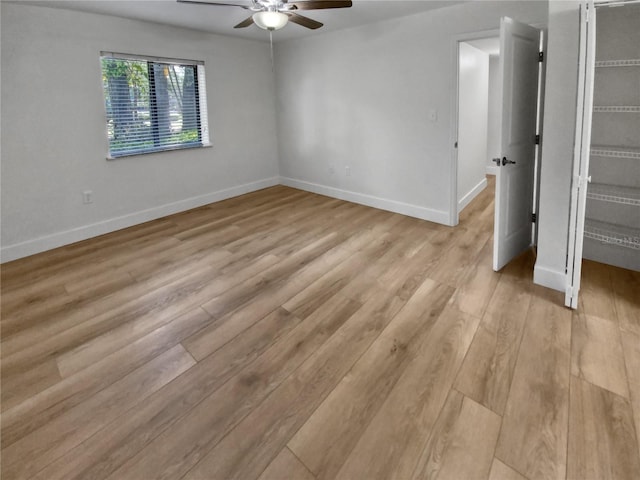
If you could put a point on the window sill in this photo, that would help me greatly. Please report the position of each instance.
(164, 150)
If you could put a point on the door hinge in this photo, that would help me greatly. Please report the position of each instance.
(541, 56)
(537, 139)
(534, 218)
(582, 181)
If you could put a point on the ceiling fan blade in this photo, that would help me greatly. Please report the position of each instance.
(320, 4)
(216, 4)
(245, 23)
(304, 21)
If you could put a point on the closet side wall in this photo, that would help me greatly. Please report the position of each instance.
(558, 134)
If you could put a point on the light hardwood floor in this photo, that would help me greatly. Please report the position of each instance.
(287, 335)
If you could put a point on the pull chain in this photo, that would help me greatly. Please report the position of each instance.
(271, 43)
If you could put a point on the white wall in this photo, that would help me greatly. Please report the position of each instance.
(473, 111)
(54, 142)
(361, 98)
(557, 143)
(494, 124)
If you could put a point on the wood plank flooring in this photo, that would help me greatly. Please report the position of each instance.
(287, 335)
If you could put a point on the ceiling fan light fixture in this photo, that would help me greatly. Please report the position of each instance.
(270, 20)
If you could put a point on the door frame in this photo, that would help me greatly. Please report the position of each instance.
(542, 81)
(454, 214)
(582, 148)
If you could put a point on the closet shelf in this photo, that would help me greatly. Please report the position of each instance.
(612, 234)
(617, 109)
(614, 194)
(613, 152)
(634, 62)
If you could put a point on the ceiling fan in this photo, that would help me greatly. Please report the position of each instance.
(274, 14)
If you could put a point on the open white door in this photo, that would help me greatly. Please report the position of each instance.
(519, 61)
(581, 152)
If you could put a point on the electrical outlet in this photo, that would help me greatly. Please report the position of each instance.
(347, 171)
(87, 197)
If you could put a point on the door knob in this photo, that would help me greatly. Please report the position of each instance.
(507, 162)
(497, 160)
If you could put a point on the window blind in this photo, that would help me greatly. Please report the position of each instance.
(153, 104)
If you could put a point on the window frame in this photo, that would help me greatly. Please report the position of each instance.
(201, 102)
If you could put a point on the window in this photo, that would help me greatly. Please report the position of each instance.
(153, 104)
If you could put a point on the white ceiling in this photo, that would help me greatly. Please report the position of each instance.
(221, 19)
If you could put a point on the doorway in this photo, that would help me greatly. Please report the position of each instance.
(479, 111)
(520, 81)
(604, 224)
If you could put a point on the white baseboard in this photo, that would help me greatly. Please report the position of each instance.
(473, 193)
(30, 247)
(550, 278)
(492, 170)
(410, 210)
